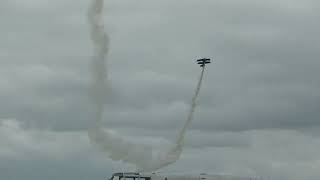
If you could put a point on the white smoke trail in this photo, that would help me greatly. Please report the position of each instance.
(180, 140)
(146, 158)
(101, 46)
(118, 148)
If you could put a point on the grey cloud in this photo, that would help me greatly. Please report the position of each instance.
(265, 77)
(250, 61)
(276, 154)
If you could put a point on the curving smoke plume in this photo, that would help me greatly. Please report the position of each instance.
(180, 140)
(145, 157)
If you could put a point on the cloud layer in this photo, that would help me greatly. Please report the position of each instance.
(258, 110)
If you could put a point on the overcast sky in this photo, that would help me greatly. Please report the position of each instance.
(258, 110)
